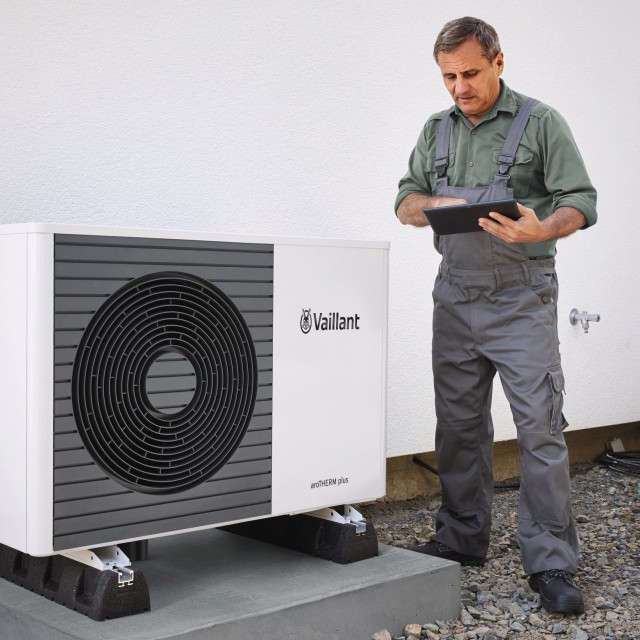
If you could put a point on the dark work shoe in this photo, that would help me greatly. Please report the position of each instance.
(439, 550)
(558, 592)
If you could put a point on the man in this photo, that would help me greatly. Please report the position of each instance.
(495, 305)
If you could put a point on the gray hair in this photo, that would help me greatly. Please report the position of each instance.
(458, 31)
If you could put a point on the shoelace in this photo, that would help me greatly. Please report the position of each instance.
(548, 575)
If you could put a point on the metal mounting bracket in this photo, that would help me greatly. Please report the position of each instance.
(351, 516)
(109, 558)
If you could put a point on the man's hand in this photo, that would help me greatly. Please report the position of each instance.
(528, 228)
(411, 209)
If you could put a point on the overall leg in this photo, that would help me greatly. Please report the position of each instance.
(525, 351)
(464, 433)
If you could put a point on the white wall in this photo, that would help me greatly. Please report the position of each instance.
(296, 117)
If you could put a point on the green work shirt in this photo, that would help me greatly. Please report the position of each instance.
(548, 172)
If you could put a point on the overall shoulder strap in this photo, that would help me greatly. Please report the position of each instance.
(442, 143)
(508, 154)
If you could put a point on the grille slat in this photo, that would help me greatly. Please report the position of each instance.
(227, 512)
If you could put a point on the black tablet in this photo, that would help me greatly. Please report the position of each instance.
(463, 218)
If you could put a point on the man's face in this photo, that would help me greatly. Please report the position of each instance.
(471, 79)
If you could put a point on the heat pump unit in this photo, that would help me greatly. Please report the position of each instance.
(159, 382)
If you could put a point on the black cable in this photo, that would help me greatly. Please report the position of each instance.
(499, 485)
(506, 485)
(627, 462)
(424, 465)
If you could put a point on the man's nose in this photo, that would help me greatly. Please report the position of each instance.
(461, 85)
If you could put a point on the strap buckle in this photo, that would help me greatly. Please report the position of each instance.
(441, 165)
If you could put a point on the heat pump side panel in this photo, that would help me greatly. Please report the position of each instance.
(40, 307)
(13, 391)
(330, 332)
(25, 390)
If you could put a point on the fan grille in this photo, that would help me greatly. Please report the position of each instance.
(181, 328)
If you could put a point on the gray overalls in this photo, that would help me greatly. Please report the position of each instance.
(495, 310)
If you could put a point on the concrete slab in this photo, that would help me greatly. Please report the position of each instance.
(216, 585)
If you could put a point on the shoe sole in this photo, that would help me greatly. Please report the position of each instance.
(471, 562)
(575, 607)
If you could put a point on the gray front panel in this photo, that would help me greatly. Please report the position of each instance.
(91, 508)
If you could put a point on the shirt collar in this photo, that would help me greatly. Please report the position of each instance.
(506, 102)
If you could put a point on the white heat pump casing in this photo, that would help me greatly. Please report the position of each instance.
(328, 387)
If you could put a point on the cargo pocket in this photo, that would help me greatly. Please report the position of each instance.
(557, 421)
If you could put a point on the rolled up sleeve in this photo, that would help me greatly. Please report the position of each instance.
(565, 174)
(416, 179)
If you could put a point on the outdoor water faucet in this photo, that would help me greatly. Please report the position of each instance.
(585, 318)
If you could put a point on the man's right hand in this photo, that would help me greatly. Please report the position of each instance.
(411, 208)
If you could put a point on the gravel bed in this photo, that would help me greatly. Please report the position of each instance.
(496, 599)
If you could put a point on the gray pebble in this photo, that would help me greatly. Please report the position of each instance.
(467, 619)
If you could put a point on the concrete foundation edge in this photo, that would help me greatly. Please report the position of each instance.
(357, 614)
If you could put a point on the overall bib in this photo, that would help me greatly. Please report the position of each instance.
(495, 310)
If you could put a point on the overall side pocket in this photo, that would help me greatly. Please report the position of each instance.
(557, 421)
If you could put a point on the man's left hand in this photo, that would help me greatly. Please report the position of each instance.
(526, 229)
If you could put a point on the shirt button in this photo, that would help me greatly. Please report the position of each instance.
(473, 132)
(471, 164)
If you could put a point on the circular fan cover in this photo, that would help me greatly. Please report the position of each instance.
(160, 332)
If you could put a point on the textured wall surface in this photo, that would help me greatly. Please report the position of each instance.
(297, 118)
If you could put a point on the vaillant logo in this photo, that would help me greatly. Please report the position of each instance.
(305, 321)
(332, 321)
